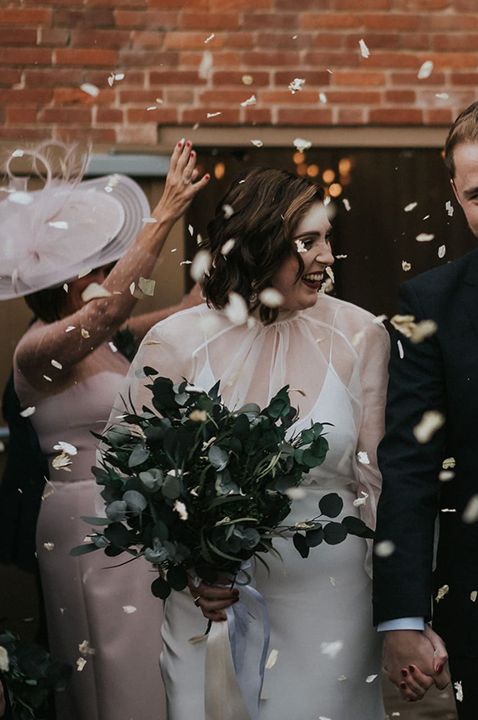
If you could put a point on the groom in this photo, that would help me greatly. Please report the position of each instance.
(434, 475)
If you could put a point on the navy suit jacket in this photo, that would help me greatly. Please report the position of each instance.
(440, 374)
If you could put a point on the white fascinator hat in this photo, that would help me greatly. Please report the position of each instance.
(68, 227)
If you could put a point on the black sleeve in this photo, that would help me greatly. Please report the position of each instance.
(409, 502)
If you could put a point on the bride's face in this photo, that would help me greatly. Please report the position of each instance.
(312, 241)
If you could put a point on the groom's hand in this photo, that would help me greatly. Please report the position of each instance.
(414, 661)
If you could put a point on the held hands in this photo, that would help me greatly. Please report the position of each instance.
(180, 187)
(213, 599)
(414, 661)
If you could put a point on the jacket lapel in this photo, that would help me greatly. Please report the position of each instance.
(470, 290)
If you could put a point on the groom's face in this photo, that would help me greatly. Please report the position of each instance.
(465, 182)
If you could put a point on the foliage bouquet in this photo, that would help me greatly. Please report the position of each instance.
(31, 676)
(199, 489)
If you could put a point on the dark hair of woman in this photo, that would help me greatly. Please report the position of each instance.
(260, 213)
(48, 304)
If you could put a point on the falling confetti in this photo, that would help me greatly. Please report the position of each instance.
(415, 331)
(20, 198)
(270, 297)
(331, 648)
(147, 286)
(80, 664)
(442, 251)
(47, 378)
(149, 220)
(361, 500)
(410, 207)
(364, 51)
(257, 143)
(214, 114)
(66, 448)
(449, 208)
(363, 458)
(473, 595)
(247, 79)
(250, 101)
(458, 690)
(272, 659)
(446, 475)
(442, 96)
(384, 548)
(424, 237)
(406, 266)
(90, 89)
(301, 144)
(84, 333)
(227, 247)
(56, 364)
(296, 493)
(113, 347)
(129, 609)
(371, 678)
(28, 411)
(94, 291)
(296, 85)
(4, 660)
(448, 462)
(209, 38)
(85, 649)
(180, 508)
(205, 65)
(470, 514)
(431, 421)
(200, 265)
(49, 546)
(228, 211)
(236, 309)
(59, 224)
(347, 205)
(425, 70)
(323, 98)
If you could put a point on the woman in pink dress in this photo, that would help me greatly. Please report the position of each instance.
(105, 623)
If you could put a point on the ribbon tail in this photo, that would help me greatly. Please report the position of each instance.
(223, 696)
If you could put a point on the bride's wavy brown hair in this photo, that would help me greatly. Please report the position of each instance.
(266, 206)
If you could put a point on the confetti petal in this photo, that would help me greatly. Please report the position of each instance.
(431, 421)
(470, 514)
(424, 237)
(93, 291)
(364, 51)
(271, 298)
(200, 265)
(384, 549)
(147, 286)
(236, 309)
(28, 412)
(272, 659)
(425, 70)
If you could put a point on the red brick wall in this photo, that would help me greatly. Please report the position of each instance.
(49, 49)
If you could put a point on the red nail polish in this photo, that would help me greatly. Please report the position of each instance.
(180, 144)
(188, 144)
(404, 673)
(207, 176)
(193, 153)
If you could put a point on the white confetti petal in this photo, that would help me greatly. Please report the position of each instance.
(228, 211)
(80, 664)
(363, 458)
(410, 207)
(252, 100)
(236, 309)
(442, 251)
(347, 205)
(4, 660)
(271, 298)
(56, 364)
(149, 220)
(272, 659)
(20, 198)
(425, 70)
(442, 96)
(28, 411)
(371, 678)
(209, 38)
(66, 448)
(90, 89)
(361, 500)
(227, 247)
(424, 237)
(295, 493)
(296, 85)
(257, 143)
(473, 595)
(449, 208)
(364, 51)
(331, 648)
(180, 508)
(70, 328)
(323, 98)
(113, 347)
(147, 286)
(214, 114)
(431, 421)
(458, 690)
(49, 546)
(93, 291)
(59, 224)
(200, 265)
(470, 514)
(442, 592)
(406, 266)
(301, 144)
(129, 609)
(384, 549)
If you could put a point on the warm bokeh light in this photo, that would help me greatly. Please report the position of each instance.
(298, 157)
(328, 176)
(335, 190)
(219, 170)
(345, 166)
(313, 171)
(301, 169)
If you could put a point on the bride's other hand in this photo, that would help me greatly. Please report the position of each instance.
(213, 599)
(181, 186)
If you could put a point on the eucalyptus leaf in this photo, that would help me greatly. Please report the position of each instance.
(94, 520)
(300, 543)
(314, 537)
(135, 501)
(160, 588)
(83, 549)
(356, 526)
(218, 457)
(331, 505)
(334, 533)
(116, 511)
(117, 534)
(171, 488)
(139, 455)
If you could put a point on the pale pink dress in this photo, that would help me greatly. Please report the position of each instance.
(113, 609)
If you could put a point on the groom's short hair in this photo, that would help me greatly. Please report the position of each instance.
(463, 130)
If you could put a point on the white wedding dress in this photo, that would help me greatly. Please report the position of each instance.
(328, 662)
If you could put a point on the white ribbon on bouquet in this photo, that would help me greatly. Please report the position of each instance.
(236, 655)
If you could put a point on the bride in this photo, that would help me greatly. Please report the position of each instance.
(276, 236)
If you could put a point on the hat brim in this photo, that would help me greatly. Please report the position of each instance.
(103, 216)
